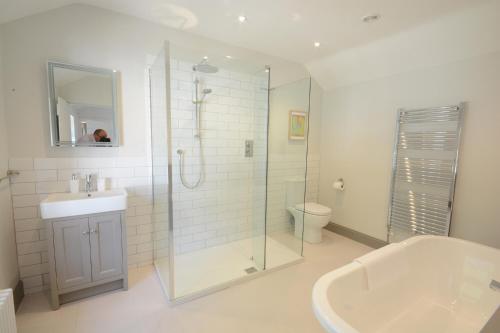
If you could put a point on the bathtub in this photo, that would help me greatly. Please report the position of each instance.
(425, 284)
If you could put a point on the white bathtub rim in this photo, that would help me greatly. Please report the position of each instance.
(327, 317)
(420, 238)
(324, 312)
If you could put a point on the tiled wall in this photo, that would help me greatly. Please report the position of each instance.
(41, 176)
(230, 201)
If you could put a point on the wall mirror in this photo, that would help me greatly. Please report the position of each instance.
(82, 104)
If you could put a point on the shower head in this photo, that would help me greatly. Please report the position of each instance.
(205, 67)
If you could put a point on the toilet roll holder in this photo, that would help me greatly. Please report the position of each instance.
(339, 184)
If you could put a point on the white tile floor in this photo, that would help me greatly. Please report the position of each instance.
(279, 302)
(199, 270)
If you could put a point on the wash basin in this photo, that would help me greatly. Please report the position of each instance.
(59, 205)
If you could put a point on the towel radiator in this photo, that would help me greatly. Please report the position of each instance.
(424, 170)
(7, 312)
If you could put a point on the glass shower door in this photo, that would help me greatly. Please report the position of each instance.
(289, 172)
(163, 259)
(258, 150)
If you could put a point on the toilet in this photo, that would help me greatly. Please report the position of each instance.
(309, 217)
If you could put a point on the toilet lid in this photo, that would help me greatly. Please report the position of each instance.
(313, 208)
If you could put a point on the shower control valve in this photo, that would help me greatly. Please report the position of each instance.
(248, 148)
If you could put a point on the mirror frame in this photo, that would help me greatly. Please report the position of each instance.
(51, 65)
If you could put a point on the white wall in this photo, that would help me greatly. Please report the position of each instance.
(359, 114)
(8, 256)
(90, 36)
(295, 96)
(458, 36)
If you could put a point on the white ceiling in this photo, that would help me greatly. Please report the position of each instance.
(284, 28)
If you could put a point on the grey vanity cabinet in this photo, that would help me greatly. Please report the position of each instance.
(87, 256)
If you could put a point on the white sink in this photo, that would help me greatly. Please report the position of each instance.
(59, 205)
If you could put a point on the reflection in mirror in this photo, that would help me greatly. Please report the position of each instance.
(82, 106)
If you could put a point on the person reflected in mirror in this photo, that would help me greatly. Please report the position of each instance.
(99, 135)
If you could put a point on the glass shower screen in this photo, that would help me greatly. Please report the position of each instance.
(209, 139)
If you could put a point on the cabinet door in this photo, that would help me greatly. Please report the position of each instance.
(106, 246)
(72, 252)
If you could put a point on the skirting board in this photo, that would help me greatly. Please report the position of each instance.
(18, 294)
(493, 325)
(91, 291)
(356, 235)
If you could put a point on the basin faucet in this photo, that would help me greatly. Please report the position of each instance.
(88, 183)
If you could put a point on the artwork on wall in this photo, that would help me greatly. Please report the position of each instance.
(297, 125)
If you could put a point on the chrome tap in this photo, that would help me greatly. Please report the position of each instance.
(88, 183)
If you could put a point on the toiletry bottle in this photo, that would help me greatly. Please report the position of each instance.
(74, 184)
(101, 184)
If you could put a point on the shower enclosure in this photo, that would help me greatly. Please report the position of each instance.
(210, 137)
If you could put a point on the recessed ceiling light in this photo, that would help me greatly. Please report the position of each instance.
(229, 57)
(205, 58)
(296, 17)
(317, 44)
(242, 18)
(370, 18)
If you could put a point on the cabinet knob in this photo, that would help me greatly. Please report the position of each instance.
(94, 231)
(86, 232)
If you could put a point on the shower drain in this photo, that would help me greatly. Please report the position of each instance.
(251, 270)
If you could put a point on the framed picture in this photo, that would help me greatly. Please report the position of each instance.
(297, 125)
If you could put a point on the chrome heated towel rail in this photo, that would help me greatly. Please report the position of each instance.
(424, 171)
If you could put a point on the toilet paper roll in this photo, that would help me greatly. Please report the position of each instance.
(338, 184)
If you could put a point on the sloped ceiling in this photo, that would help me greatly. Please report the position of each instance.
(283, 28)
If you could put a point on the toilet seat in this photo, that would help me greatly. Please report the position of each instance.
(314, 209)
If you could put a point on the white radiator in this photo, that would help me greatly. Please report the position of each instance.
(7, 312)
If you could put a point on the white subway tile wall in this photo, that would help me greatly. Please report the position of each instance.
(41, 176)
(229, 203)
